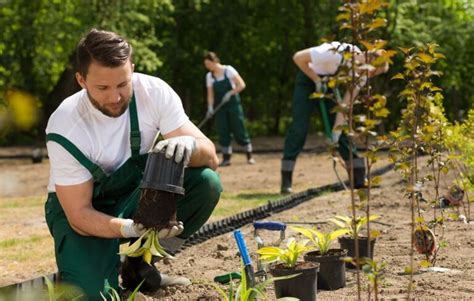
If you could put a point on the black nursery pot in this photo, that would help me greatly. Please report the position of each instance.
(332, 273)
(163, 174)
(303, 286)
(348, 244)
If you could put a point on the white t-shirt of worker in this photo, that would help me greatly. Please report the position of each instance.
(106, 140)
(229, 71)
(326, 58)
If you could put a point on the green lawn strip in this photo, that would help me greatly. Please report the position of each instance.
(22, 202)
(231, 204)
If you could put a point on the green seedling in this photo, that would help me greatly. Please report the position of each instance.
(320, 240)
(288, 256)
(115, 296)
(245, 293)
(151, 247)
(375, 273)
(353, 227)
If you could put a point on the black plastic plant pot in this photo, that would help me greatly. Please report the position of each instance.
(303, 286)
(162, 183)
(163, 174)
(359, 171)
(348, 243)
(332, 273)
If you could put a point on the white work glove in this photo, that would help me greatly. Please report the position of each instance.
(171, 232)
(210, 111)
(227, 96)
(183, 145)
(319, 85)
(130, 229)
(335, 135)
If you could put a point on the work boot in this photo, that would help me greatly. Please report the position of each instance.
(250, 160)
(358, 171)
(225, 160)
(135, 270)
(286, 179)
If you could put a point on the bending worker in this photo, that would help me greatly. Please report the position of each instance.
(224, 84)
(97, 142)
(314, 64)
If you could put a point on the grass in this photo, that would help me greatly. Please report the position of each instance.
(22, 202)
(12, 242)
(230, 204)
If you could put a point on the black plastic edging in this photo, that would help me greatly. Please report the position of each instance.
(227, 224)
(231, 223)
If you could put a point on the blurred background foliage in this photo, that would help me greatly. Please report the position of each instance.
(170, 37)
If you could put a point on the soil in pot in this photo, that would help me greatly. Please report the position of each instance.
(348, 244)
(332, 273)
(303, 286)
(161, 185)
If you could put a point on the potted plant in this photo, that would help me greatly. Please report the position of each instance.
(244, 292)
(353, 228)
(332, 274)
(304, 285)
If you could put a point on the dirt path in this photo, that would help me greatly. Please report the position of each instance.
(392, 247)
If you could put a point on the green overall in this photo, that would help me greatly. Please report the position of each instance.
(302, 108)
(230, 117)
(92, 263)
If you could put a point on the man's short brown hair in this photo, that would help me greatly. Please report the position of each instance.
(104, 47)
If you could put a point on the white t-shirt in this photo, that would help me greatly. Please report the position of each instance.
(326, 58)
(106, 140)
(229, 71)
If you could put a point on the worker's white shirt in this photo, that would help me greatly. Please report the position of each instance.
(229, 71)
(106, 140)
(326, 58)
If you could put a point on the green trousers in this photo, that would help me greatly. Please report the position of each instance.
(230, 121)
(92, 263)
(302, 109)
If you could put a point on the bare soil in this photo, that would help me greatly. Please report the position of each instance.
(201, 263)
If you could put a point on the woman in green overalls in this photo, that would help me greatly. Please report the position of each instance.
(223, 86)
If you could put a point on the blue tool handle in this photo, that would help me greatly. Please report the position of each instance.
(242, 247)
(272, 226)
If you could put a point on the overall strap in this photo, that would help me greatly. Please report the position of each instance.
(134, 129)
(97, 173)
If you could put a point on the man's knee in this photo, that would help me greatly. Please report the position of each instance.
(210, 184)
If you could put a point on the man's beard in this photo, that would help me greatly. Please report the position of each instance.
(108, 112)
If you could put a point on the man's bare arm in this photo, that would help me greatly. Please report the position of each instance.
(76, 201)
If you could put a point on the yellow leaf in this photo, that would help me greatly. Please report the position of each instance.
(343, 16)
(380, 44)
(398, 76)
(425, 264)
(405, 51)
(374, 233)
(147, 256)
(367, 45)
(420, 220)
(426, 58)
(379, 22)
(316, 95)
(376, 180)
